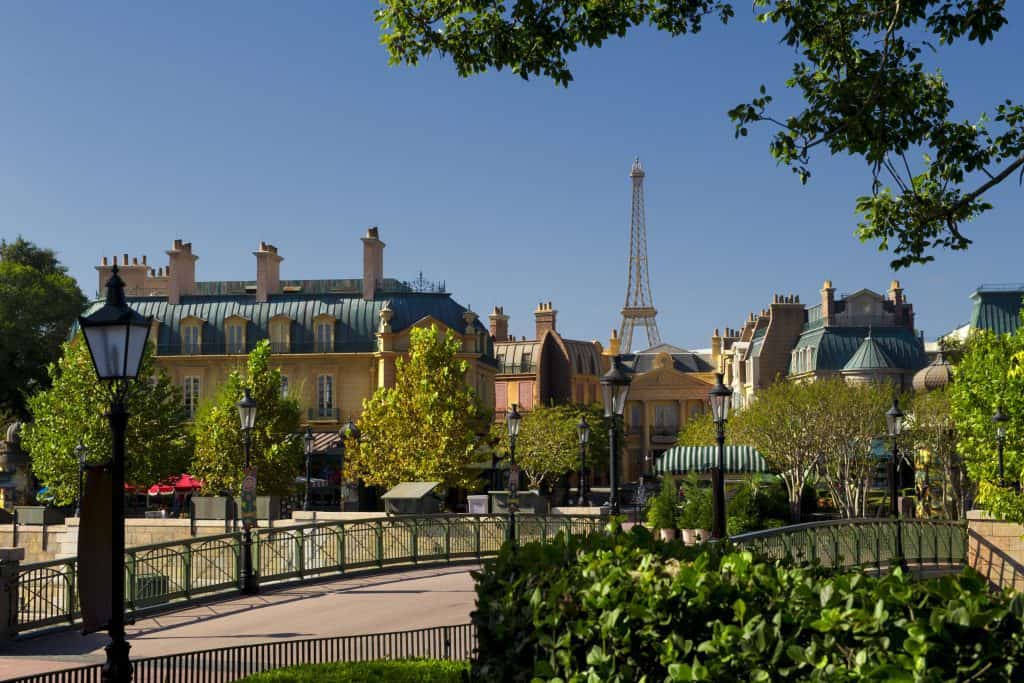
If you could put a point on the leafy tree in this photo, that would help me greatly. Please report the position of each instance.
(864, 87)
(426, 427)
(931, 432)
(849, 418)
(782, 425)
(72, 411)
(38, 304)
(699, 430)
(548, 444)
(277, 449)
(988, 376)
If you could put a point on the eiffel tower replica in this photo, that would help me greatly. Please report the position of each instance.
(638, 311)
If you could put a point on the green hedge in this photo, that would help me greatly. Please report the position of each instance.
(628, 608)
(401, 671)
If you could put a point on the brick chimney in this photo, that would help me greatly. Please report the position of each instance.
(828, 302)
(545, 318)
(181, 279)
(135, 275)
(499, 324)
(268, 271)
(373, 263)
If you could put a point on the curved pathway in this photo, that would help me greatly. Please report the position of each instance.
(392, 601)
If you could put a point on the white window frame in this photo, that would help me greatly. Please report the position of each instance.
(325, 403)
(191, 392)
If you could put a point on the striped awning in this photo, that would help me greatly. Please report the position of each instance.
(682, 459)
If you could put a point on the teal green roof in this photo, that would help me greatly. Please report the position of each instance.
(835, 346)
(356, 319)
(997, 308)
(870, 356)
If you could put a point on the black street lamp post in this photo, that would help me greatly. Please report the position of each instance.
(308, 439)
(80, 452)
(1000, 419)
(247, 417)
(894, 421)
(720, 397)
(614, 389)
(116, 337)
(512, 421)
(583, 431)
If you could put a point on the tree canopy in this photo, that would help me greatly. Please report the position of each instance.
(72, 411)
(427, 426)
(277, 448)
(38, 304)
(988, 377)
(861, 73)
(548, 443)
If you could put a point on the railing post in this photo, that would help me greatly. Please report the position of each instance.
(836, 559)
(10, 565)
(859, 558)
(812, 546)
(300, 549)
(878, 548)
(380, 543)
(448, 539)
(341, 548)
(476, 534)
(186, 559)
(130, 567)
(415, 540)
(71, 587)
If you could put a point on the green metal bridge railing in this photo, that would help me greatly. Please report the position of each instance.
(868, 543)
(183, 571)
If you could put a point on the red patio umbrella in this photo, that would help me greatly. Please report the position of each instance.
(161, 490)
(187, 482)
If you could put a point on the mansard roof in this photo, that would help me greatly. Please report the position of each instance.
(356, 320)
(833, 347)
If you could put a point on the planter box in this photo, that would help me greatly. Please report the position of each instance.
(37, 515)
(530, 502)
(268, 507)
(212, 507)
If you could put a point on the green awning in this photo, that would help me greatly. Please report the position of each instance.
(682, 459)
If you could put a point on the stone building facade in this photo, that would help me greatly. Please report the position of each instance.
(669, 385)
(335, 340)
(547, 369)
(861, 337)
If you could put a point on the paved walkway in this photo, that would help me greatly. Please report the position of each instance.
(368, 604)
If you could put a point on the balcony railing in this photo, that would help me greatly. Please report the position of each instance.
(324, 413)
(667, 434)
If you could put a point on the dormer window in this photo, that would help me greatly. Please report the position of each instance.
(323, 334)
(280, 334)
(191, 335)
(234, 334)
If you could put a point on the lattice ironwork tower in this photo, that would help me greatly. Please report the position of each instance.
(639, 307)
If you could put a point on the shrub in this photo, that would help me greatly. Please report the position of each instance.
(661, 512)
(626, 608)
(400, 671)
(696, 505)
(754, 504)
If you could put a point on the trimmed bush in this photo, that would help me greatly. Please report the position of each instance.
(626, 608)
(400, 671)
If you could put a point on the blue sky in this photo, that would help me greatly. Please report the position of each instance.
(126, 125)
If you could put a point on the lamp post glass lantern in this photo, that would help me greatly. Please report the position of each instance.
(247, 418)
(614, 390)
(116, 336)
(583, 432)
(720, 398)
(308, 447)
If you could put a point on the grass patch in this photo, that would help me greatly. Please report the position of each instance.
(400, 671)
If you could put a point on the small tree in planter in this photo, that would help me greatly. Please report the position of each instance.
(696, 518)
(662, 513)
